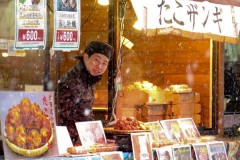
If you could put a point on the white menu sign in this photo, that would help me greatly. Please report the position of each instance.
(30, 32)
(66, 25)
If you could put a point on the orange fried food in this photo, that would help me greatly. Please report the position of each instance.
(10, 131)
(46, 134)
(20, 129)
(21, 140)
(26, 110)
(34, 139)
(14, 117)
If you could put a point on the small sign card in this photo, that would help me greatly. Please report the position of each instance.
(142, 146)
(91, 132)
(173, 130)
(164, 153)
(117, 155)
(188, 127)
(217, 150)
(63, 143)
(201, 151)
(182, 152)
(157, 132)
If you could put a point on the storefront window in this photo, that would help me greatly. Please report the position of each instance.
(162, 60)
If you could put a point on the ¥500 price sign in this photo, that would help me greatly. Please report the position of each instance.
(30, 35)
(66, 36)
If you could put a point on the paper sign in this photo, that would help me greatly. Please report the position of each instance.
(188, 127)
(67, 21)
(142, 146)
(201, 151)
(30, 24)
(182, 152)
(63, 139)
(217, 150)
(164, 153)
(91, 132)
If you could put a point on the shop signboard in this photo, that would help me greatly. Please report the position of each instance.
(30, 26)
(196, 20)
(28, 125)
(66, 25)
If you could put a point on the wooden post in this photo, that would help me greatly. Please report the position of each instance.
(221, 90)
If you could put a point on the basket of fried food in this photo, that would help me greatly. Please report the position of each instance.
(28, 130)
(128, 125)
(96, 148)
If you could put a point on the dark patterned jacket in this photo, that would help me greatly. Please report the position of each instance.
(76, 96)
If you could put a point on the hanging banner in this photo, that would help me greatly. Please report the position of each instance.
(30, 29)
(196, 20)
(66, 25)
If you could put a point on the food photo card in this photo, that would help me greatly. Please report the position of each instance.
(217, 150)
(173, 130)
(91, 132)
(188, 127)
(28, 125)
(201, 151)
(182, 152)
(157, 132)
(164, 153)
(142, 146)
(117, 155)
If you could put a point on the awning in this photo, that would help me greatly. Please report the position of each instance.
(196, 20)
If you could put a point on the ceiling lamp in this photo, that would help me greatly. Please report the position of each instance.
(103, 2)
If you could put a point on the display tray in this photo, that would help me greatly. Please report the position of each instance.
(112, 130)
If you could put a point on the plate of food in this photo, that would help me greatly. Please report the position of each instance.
(28, 131)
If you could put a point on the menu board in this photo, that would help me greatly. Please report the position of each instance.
(30, 26)
(67, 21)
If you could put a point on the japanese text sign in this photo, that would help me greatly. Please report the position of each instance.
(66, 25)
(30, 24)
(188, 19)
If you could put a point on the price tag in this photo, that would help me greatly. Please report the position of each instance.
(30, 35)
(66, 36)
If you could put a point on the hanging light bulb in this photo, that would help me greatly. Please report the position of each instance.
(138, 25)
(103, 2)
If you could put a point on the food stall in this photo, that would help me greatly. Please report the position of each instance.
(152, 61)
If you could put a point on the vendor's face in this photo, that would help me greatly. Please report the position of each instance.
(96, 64)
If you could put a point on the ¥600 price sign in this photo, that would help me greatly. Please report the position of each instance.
(66, 36)
(30, 35)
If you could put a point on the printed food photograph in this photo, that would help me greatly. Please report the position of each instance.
(27, 128)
